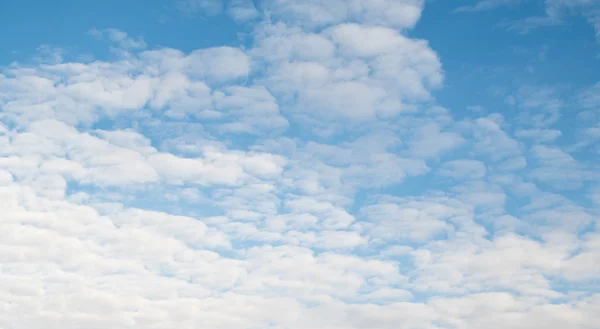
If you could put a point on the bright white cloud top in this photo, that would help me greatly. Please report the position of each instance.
(307, 180)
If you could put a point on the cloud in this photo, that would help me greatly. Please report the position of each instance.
(121, 38)
(539, 135)
(431, 142)
(314, 14)
(487, 5)
(208, 7)
(529, 24)
(305, 180)
(540, 106)
(589, 97)
(242, 10)
(555, 13)
(558, 168)
(463, 169)
(255, 109)
(361, 81)
(166, 80)
(491, 140)
(409, 220)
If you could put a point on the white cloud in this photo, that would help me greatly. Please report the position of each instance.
(487, 5)
(215, 167)
(429, 141)
(406, 220)
(363, 80)
(548, 211)
(581, 266)
(332, 217)
(463, 169)
(49, 55)
(255, 109)
(539, 135)
(121, 38)
(219, 64)
(492, 141)
(208, 7)
(557, 168)
(169, 189)
(356, 40)
(314, 14)
(242, 10)
(340, 240)
(540, 105)
(589, 97)
(555, 13)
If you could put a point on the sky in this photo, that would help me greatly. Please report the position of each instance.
(300, 164)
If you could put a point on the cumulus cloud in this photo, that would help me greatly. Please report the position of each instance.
(306, 180)
(314, 13)
(463, 169)
(375, 71)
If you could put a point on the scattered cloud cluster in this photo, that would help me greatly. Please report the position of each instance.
(309, 180)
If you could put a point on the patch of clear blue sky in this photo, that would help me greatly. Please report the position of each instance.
(479, 57)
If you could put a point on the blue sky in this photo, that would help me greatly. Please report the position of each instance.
(300, 164)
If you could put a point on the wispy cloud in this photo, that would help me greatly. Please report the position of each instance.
(555, 13)
(488, 5)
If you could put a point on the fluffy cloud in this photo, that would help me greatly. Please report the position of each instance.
(463, 169)
(314, 13)
(349, 70)
(307, 180)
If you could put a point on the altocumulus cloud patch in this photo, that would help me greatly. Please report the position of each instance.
(308, 178)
